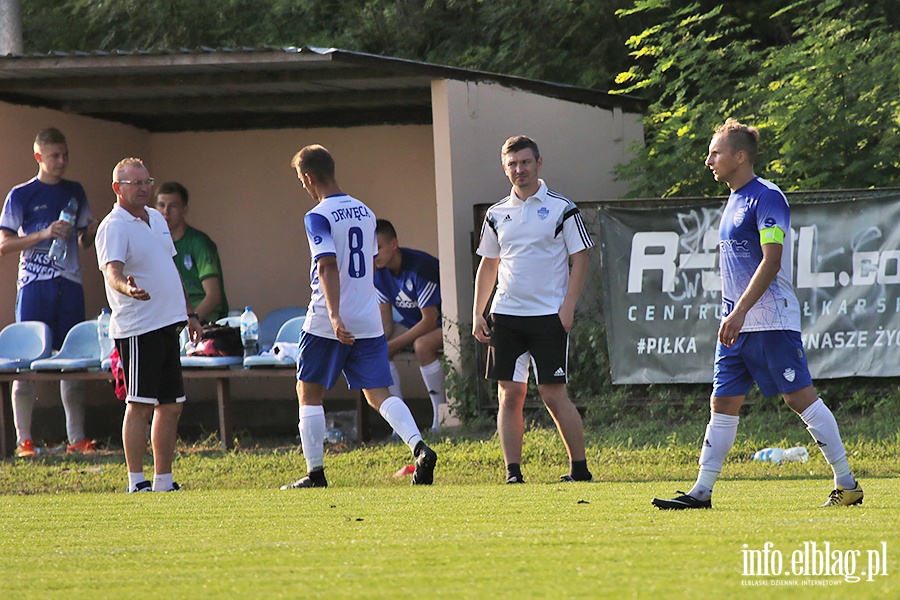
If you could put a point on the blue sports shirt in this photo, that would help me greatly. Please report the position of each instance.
(33, 206)
(751, 213)
(416, 286)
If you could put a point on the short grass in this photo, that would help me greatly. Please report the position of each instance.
(69, 531)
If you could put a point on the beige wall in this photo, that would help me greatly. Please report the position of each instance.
(580, 146)
(246, 196)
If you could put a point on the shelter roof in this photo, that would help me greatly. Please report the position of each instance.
(209, 89)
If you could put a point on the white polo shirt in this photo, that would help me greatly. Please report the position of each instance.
(533, 239)
(146, 252)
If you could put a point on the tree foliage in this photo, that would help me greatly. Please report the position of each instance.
(820, 78)
(568, 41)
(825, 100)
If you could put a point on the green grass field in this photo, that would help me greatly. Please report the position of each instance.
(69, 530)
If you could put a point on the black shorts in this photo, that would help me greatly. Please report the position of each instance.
(152, 364)
(518, 341)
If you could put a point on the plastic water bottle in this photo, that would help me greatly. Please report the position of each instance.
(780, 455)
(334, 436)
(798, 454)
(106, 343)
(250, 332)
(59, 248)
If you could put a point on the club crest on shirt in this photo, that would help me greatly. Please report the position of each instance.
(739, 216)
(790, 374)
(543, 212)
(188, 262)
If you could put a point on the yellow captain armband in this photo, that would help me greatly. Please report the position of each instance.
(771, 235)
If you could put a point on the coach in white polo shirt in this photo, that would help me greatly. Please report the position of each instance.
(149, 307)
(527, 240)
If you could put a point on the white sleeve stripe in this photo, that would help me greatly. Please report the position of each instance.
(585, 236)
(426, 293)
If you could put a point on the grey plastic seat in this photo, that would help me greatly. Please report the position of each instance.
(288, 334)
(23, 343)
(271, 325)
(80, 351)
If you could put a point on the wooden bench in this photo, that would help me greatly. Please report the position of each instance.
(222, 377)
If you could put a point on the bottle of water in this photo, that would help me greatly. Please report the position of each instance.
(106, 343)
(334, 436)
(780, 455)
(59, 248)
(249, 332)
(798, 454)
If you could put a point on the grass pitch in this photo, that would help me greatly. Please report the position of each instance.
(478, 541)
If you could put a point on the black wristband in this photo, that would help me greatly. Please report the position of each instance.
(193, 316)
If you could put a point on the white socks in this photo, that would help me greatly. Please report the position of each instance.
(433, 376)
(23, 406)
(134, 479)
(72, 394)
(394, 388)
(719, 438)
(163, 483)
(823, 428)
(397, 414)
(722, 429)
(312, 436)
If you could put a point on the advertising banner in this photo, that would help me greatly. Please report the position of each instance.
(661, 289)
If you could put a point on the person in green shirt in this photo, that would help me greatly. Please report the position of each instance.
(197, 259)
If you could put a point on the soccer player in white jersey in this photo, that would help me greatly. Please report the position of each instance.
(527, 240)
(343, 331)
(759, 335)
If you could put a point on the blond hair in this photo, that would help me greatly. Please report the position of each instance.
(740, 137)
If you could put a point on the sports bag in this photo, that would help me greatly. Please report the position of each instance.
(218, 340)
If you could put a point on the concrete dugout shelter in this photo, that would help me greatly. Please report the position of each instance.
(418, 143)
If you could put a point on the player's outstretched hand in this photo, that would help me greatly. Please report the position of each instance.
(134, 291)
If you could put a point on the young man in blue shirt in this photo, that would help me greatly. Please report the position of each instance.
(408, 281)
(759, 335)
(48, 291)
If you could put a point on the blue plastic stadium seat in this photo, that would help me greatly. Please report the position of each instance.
(23, 343)
(289, 333)
(80, 351)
